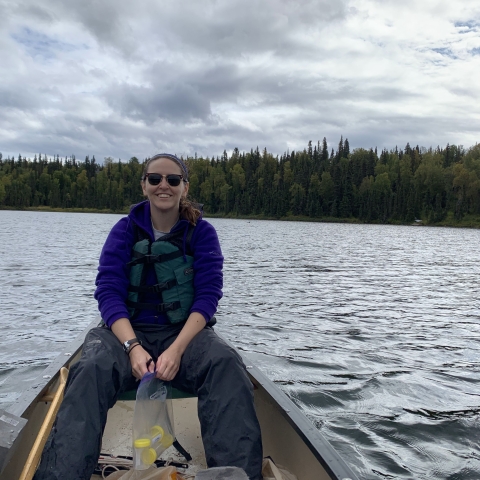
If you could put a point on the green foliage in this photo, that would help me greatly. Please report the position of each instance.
(396, 186)
(69, 184)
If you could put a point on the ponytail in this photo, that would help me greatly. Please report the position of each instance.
(189, 211)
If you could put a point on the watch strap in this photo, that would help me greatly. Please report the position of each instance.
(132, 347)
(127, 346)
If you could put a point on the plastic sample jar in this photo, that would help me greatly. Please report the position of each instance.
(145, 455)
(158, 435)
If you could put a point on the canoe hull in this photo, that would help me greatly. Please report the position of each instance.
(288, 437)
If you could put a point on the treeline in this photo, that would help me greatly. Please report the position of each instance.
(393, 186)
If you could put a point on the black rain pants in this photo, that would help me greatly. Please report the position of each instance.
(209, 368)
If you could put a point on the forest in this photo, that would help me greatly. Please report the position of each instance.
(393, 186)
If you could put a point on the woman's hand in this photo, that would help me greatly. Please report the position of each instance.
(168, 364)
(140, 360)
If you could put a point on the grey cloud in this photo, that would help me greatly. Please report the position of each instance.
(27, 96)
(245, 26)
(463, 92)
(232, 27)
(11, 98)
(248, 141)
(226, 82)
(178, 94)
(190, 76)
(174, 103)
(108, 20)
(32, 10)
(67, 136)
(388, 131)
(220, 80)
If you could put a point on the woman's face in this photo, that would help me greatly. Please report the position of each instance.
(163, 197)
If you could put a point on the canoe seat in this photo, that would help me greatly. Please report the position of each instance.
(176, 393)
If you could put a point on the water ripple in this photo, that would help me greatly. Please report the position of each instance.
(374, 331)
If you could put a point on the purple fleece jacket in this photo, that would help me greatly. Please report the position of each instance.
(113, 273)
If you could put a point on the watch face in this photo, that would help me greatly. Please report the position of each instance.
(128, 344)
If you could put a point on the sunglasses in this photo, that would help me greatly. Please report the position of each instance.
(156, 178)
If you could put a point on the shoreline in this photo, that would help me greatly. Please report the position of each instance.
(469, 221)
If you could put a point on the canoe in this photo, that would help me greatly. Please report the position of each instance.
(290, 440)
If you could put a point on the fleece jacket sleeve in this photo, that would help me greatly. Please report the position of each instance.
(208, 265)
(113, 276)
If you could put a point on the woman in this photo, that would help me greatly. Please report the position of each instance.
(158, 285)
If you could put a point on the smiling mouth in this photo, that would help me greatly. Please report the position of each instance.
(163, 195)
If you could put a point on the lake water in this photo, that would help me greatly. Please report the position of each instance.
(372, 330)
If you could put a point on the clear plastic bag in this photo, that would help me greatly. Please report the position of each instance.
(152, 421)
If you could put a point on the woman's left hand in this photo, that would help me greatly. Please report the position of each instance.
(168, 364)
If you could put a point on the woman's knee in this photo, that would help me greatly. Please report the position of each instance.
(208, 357)
(101, 354)
(217, 351)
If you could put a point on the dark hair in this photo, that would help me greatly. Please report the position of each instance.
(187, 209)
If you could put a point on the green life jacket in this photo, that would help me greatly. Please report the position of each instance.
(174, 276)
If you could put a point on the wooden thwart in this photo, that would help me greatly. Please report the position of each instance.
(36, 451)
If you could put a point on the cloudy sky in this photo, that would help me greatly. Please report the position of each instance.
(121, 78)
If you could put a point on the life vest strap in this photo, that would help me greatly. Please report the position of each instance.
(157, 307)
(158, 288)
(148, 259)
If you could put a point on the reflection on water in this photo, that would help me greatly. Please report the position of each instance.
(372, 330)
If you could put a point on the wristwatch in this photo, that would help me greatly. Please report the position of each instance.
(130, 343)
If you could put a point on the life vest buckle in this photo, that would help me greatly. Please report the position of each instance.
(166, 307)
(150, 258)
(158, 288)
